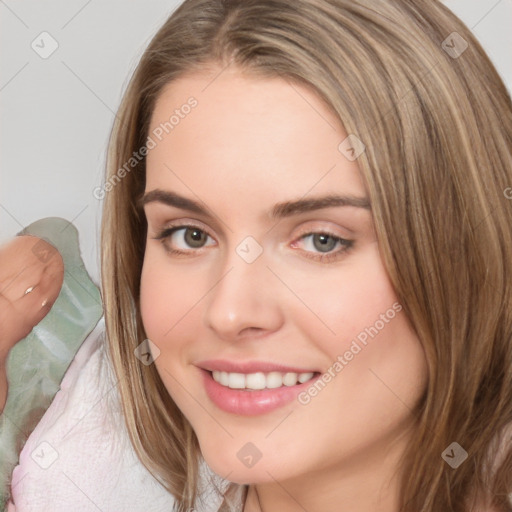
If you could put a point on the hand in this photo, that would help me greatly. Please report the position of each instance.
(31, 276)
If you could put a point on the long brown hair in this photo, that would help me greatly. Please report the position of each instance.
(414, 85)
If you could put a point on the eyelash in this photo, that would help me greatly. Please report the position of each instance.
(327, 257)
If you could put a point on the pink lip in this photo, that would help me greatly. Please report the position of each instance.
(223, 365)
(250, 403)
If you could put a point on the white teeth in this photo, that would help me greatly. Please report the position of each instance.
(260, 380)
(236, 381)
(274, 380)
(224, 378)
(290, 379)
(255, 380)
(304, 377)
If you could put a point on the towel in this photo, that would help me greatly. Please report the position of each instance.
(79, 456)
(37, 364)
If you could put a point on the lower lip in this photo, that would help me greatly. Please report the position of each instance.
(250, 403)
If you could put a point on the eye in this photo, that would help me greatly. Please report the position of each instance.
(184, 239)
(323, 246)
(192, 237)
(321, 242)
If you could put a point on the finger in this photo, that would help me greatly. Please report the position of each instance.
(27, 267)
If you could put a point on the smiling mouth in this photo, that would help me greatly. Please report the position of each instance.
(260, 380)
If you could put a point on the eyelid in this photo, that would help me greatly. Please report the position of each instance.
(163, 215)
(316, 228)
(321, 232)
(167, 229)
(170, 228)
(347, 244)
(185, 223)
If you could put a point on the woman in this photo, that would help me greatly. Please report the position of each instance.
(305, 228)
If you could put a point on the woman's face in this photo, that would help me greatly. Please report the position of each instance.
(273, 321)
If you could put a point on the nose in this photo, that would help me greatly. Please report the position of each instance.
(244, 302)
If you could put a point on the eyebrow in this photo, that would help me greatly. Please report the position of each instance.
(280, 210)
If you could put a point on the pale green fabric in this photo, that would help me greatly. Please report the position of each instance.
(36, 365)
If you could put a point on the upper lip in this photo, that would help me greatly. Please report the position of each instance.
(224, 365)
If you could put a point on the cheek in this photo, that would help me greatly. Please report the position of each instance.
(170, 301)
(164, 296)
(153, 293)
(356, 301)
(166, 302)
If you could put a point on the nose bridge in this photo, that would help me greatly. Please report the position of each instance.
(243, 296)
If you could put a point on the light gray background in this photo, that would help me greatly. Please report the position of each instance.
(56, 113)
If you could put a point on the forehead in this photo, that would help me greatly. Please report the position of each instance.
(226, 131)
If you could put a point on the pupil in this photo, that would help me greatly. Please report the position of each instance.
(195, 237)
(324, 243)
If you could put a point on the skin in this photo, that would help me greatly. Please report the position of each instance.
(249, 144)
(25, 262)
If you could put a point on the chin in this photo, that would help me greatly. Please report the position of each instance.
(241, 465)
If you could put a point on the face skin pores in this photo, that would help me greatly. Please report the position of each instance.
(262, 271)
